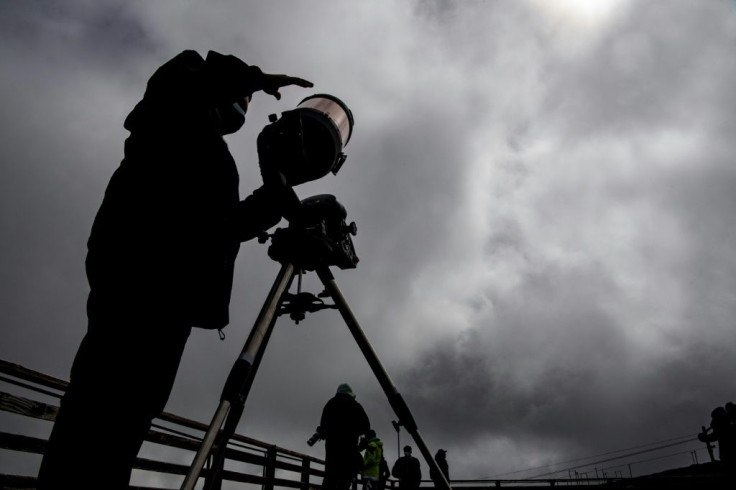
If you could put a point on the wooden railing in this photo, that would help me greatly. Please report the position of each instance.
(269, 466)
(266, 461)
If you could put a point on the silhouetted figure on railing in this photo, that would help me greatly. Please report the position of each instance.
(372, 448)
(407, 470)
(342, 424)
(441, 458)
(160, 261)
(723, 431)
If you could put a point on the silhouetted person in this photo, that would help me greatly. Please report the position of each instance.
(407, 470)
(723, 431)
(731, 412)
(441, 458)
(372, 457)
(160, 261)
(343, 422)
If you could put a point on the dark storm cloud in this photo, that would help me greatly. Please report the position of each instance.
(517, 370)
(408, 195)
(58, 59)
(554, 362)
(555, 370)
(108, 33)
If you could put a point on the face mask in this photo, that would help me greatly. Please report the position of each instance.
(230, 118)
(239, 109)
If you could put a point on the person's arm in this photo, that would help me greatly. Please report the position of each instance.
(707, 437)
(260, 211)
(372, 456)
(325, 421)
(180, 93)
(232, 78)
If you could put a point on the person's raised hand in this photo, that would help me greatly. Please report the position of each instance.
(272, 83)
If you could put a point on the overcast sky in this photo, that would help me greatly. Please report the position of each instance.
(545, 195)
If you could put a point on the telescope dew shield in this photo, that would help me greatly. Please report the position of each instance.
(307, 142)
(333, 108)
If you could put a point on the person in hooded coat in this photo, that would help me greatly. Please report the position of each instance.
(441, 458)
(342, 424)
(372, 458)
(160, 261)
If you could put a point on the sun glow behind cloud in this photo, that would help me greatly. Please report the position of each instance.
(581, 14)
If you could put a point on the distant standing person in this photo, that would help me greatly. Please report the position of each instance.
(441, 458)
(725, 433)
(372, 458)
(343, 422)
(407, 470)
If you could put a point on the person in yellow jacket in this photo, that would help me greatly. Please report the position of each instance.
(372, 460)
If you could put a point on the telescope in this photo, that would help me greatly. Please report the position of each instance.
(306, 143)
(303, 145)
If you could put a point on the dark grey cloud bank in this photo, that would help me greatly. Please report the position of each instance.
(544, 197)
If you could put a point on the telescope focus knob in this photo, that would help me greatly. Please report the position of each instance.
(352, 228)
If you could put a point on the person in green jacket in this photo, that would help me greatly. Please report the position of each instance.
(372, 460)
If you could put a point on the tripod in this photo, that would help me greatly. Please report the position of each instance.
(298, 248)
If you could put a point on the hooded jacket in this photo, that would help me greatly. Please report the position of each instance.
(164, 241)
(343, 421)
(441, 460)
(372, 458)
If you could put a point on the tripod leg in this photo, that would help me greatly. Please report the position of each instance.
(239, 381)
(213, 481)
(394, 397)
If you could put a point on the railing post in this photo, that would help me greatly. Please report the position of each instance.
(269, 470)
(305, 474)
